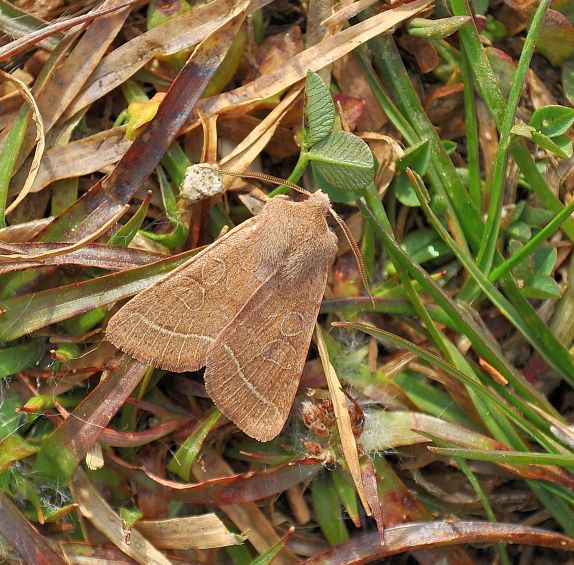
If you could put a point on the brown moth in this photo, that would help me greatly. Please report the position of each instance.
(244, 308)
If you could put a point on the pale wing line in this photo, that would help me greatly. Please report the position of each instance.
(163, 330)
(271, 403)
(183, 342)
(232, 356)
(180, 299)
(278, 391)
(189, 309)
(169, 340)
(245, 380)
(142, 316)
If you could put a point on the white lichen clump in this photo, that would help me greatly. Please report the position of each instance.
(201, 181)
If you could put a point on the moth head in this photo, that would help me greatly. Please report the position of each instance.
(320, 200)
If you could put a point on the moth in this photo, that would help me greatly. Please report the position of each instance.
(245, 308)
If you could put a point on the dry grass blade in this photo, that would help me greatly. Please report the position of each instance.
(245, 152)
(70, 73)
(78, 158)
(98, 255)
(73, 246)
(314, 58)
(346, 12)
(103, 518)
(348, 442)
(191, 532)
(19, 45)
(40, 140)
(171, 37)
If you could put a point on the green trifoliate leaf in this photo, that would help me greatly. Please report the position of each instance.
(553, 120)
(319, 112)
(344, 160)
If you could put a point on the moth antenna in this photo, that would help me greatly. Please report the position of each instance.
(356, 252)
(268, 178)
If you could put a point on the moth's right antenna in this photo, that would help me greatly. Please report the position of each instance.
(348, 235)
(268, 178)
(356, 252)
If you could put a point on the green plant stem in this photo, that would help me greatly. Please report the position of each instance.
(472, 145)
(374, 209)
(442, 173)
(489, 396)
(443, 177)
(497, 456)
(488, 86)
(533, 244)
(384, 100)
(493, 221)
(544, 342)
(133, 92)
(295, 175)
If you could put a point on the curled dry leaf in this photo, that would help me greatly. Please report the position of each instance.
(223, 488)
(97, 255)
(39, 139)
(78, 158)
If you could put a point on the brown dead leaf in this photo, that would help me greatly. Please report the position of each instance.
(445, 108)
(276, 49)
(314, 58)
(93, 507)
(352, 108)
(190, 532)
(40, 140)
(425, 54)
(351, 79)
(249, 520)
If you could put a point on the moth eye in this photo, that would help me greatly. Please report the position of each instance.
(292, 324)
(212, 271)
(280, 353)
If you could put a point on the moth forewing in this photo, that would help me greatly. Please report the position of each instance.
(172, 323)
(245, 307)
(255, 364)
